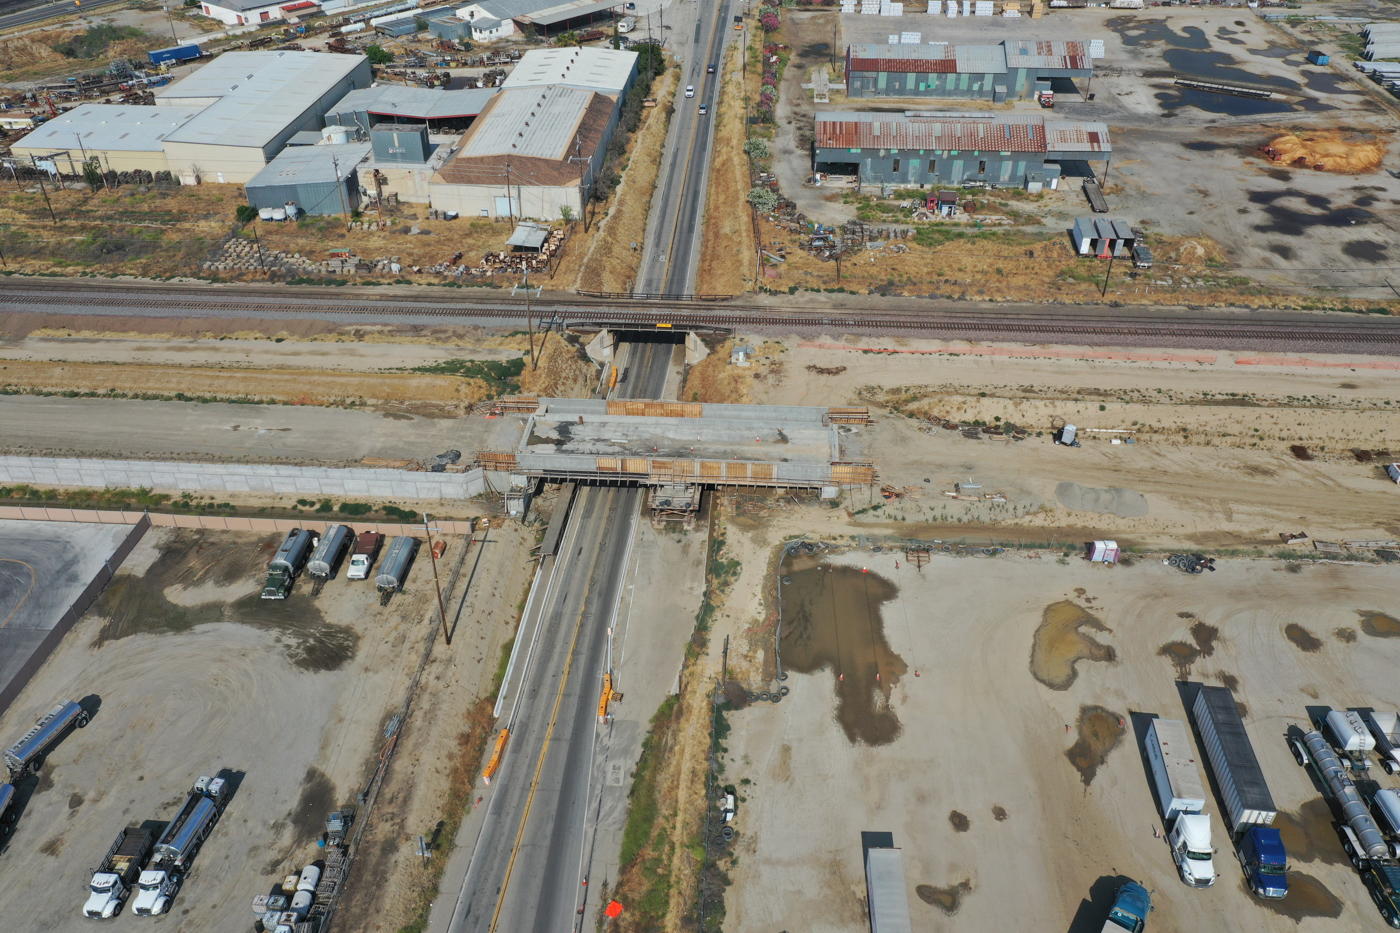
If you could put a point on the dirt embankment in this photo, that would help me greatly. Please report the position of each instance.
(302, 387)
(612, 261)
(727, 247)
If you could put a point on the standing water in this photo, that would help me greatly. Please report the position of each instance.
(832, 619)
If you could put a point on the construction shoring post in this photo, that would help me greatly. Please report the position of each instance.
(442, 612)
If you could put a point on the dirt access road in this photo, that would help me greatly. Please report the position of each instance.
(193, 672)
(991, 745)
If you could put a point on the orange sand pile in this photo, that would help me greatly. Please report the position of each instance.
(1330, 151)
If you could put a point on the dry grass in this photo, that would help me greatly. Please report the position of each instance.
(172, 231)
(32, 55)
(714, 380)
(302, 387)
(564, 371)
(611, 264)
(1332, 151)
(727, 245)
(1016, 265)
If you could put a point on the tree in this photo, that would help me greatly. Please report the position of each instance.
(567, 39)
(246, 213)
(92, 174)
(420, 24)
(770, 22)
(567, 213)
(763, 199)
(378, 55)
(757, 148)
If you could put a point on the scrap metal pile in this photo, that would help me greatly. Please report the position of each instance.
(974, 432)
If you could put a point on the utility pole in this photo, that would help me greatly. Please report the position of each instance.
(171, 17)
(510, 208)
(442, 611)
(262, 265)
(344, 208)
(45, 192)
(1104, 291)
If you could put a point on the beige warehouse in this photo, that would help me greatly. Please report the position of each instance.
(121, 137)
(223, 123)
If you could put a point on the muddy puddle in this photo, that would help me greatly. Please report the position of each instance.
(1100, 731)
(1307, 897)
(1378, 624)
(1183, 654)
(832, 619)
(1302, 639)
(1309, 836)
(191, 560)
(947, 899)
(959, 821)
(1059, 644)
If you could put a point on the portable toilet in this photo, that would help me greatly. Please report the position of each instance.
(1067, 434)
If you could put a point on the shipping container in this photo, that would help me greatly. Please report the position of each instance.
(176, 53)
(1318, 58)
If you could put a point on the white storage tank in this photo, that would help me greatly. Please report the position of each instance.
(335, 135)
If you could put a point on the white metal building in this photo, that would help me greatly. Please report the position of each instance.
(122, 137)
(537, 145)
(241, 12)
(496, 19)
(252, 104)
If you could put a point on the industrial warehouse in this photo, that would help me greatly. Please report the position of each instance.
(958, 148)
(221, 124)
(537, 145)
(1010, 70)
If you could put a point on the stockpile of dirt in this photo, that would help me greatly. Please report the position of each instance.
(36, 48)
(563, 371)
(1331, 151)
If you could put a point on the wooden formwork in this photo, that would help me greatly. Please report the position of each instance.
(654, 409)
(496, 459)
(859, 415)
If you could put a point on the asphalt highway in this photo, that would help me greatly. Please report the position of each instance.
(527, 867)
(674, 236)
(37, 14)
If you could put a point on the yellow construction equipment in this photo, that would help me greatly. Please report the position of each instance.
(495, 761)
(603, 700)
(612, 383)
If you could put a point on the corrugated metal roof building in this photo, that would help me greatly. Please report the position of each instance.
(122, 137)
(253, 103)
(918, 149)
(539, 142)
(997, 73)
(318, 179)
(394, 103)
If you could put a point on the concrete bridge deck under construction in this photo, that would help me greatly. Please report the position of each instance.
(659, 442)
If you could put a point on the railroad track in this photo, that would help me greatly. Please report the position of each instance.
(578, 311)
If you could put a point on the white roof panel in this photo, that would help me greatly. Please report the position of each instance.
(114, 127)
(606, 71)
(538, 122)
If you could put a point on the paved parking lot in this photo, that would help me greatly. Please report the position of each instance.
(44, 566)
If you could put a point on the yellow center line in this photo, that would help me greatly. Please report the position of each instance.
(539, 766)
(11, 560)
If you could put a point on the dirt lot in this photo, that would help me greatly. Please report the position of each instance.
(1214, 434)
(193, 673)
(1222, 219)
(1026, 793)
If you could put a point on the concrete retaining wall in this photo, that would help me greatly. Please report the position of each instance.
(223, 523)
(241, 478)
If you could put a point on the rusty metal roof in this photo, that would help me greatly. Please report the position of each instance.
(1071, 135)
(963, 132)
(934, 58)
(1047, 53)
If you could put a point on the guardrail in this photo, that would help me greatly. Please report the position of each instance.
(221, 522)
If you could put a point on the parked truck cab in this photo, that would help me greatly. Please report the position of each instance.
(1264, 861)
(154, 892)
(1190, 842)
(1131, 905)
(367, 547)
(287, 563)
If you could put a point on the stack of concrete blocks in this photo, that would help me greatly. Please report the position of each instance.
(983, 8)
(1011, 9)
(935, 7)
(966, 7)
(1096, 48)
(848, 6)
(952, 9)
(911, 38)
(870, 7)
(891, 9)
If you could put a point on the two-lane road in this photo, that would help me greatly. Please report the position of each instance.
(527, 864)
